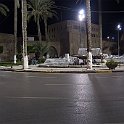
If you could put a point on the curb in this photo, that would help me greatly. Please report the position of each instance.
(62, 71)
(55, 71)
(103, 71)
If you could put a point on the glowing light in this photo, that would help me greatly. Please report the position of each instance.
(81, 15)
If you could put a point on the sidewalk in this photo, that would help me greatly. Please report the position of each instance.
(35, 68)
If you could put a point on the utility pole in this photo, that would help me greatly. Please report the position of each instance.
(24, 33)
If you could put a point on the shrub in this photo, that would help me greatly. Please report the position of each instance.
(42, 60)
(111, 64)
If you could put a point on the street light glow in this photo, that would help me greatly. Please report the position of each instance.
(108, 37)
(81, 15)
(119, 27)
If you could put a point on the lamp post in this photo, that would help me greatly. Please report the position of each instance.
(24, 33)
(118, 29)
(81, 17)
(109, 44)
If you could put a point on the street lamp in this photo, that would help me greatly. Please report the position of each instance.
(118, 29)
(81, 17)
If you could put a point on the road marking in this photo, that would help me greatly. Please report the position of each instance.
(31, 76)
(116, 76)
(111, 77)
(47, 98)
(40, 77)
(58, 84)
(49, 77)
(115, 123)
(63, 84)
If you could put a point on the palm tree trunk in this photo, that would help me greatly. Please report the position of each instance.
(39, 31)
(15, 30)
(100, 24)
(88, 28)
(24, 33)
(46, 33)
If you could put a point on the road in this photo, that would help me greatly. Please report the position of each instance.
(37, 98)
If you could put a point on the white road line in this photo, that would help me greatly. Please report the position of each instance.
(62, 84)
(31, 76)
(116, 76)
(49, 77)
(47, 98)
(111, 76)
(114, 123)
(59, 84)
(40, 77)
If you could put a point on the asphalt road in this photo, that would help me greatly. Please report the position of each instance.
(37, 98)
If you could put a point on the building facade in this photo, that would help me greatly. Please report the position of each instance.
(72, 35)
(65, 37)
(6, 47)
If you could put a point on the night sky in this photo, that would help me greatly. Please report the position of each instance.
(68, 9)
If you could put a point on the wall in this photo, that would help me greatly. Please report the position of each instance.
(7, 42)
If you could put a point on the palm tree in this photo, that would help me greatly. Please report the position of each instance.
(40, 50)
(49, 14)
(45, 18)
(16, 5)
(24, 33)
(3, 9)
(88, 30)
(100, 25)
(40, 9)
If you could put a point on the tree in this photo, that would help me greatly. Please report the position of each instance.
(40, 9)
(49, 13)
(16, 5)
(3, 9)
(88, 30)
(40, 49)
(24, 33)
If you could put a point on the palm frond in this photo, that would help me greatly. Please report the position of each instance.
(41, 48)
(3, 9)
(41, 8)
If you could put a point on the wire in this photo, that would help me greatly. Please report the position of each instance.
(68, 8)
